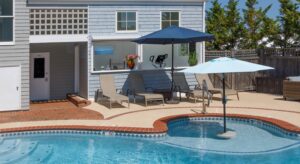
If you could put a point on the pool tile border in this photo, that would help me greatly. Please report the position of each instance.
(159, 129)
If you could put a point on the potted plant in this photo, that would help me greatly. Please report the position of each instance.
(131, 60)
(193, 59)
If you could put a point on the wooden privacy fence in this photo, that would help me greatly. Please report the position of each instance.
(238, 81)
(285, 61)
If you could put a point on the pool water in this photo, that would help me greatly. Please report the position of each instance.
(186, 142)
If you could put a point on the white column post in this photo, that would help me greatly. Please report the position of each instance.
(140, 54)
(76, 68)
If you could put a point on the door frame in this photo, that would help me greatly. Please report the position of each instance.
(19, 107)
(47, 54)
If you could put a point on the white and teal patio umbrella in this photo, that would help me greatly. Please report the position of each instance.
(224, 65)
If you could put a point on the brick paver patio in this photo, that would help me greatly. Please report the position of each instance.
(50, 111)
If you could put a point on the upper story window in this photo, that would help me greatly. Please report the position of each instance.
(6, 21)
(126, 21)
(169, 18)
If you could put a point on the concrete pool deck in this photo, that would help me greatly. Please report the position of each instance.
(95, 116)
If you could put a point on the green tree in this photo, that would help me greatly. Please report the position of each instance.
(289, 24)
(259, 27)
(216, 24)
(234, 25)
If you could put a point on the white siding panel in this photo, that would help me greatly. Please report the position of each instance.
(18, 54)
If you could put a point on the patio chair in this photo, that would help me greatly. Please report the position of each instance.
(203, 79)
(108, 91)
(137, 88)
(200, 93)
(181, 85)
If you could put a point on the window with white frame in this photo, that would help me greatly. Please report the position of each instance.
(169, 18)
(6, 21)
(126, 21)
(111, 55)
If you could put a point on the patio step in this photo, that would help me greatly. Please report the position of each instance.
(77, 100)
(24, 149)
(40, 155)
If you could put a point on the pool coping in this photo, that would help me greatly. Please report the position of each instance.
(159, 126)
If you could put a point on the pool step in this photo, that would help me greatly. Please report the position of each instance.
(8, 145)
(40, 155)
(22, 150)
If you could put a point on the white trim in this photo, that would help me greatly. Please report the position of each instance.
(203, 29)
(92, 57)
(14, 26)
(126, 31)
(56, 7)
(76, 68)
(117, 37)
(57, 38)
(179, 16)
(128, 70)
(88, 61)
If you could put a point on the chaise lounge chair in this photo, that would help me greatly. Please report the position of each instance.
(109, 92)
(181, 85)
(137, 88)
(203, 79)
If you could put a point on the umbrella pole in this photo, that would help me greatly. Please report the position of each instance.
(172, 72)
(224, 102)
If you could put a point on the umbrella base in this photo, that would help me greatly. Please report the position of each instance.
(227, 135)
(172, 101)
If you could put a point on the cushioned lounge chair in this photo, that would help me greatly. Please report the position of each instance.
(204, 79)
(108, 91)
(181, 85)
(137, 88)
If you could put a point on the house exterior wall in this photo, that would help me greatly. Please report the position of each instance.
(17, 54)
(102, 24)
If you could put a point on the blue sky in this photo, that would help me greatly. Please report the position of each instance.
(273, 12)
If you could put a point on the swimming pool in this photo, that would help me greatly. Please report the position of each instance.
(187, 141)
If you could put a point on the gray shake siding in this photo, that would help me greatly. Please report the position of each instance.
(102, 23)
(18, 54)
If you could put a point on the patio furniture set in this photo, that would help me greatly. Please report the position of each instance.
(137, 89)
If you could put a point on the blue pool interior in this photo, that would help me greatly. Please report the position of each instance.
(187, 141)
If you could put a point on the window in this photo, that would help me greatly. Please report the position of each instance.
(6, 21)
(126, 21)
(169, 19)
(111, 55)
(39, 68)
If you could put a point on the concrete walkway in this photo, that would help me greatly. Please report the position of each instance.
(265, 105)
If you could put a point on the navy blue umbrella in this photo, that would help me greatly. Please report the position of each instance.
(174, 35)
